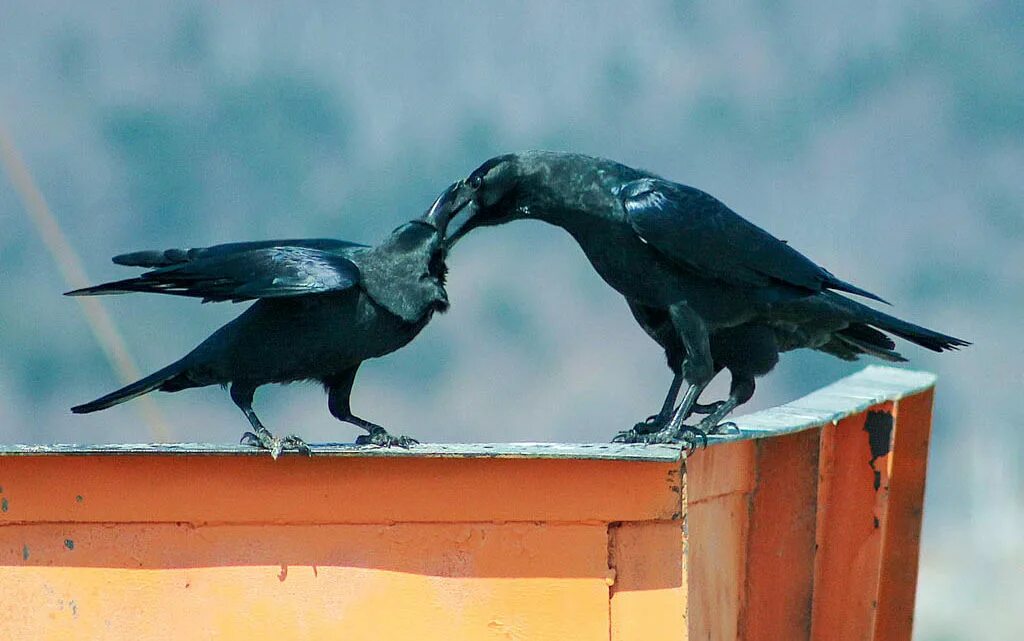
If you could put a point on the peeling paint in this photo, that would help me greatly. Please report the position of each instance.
(69, 544)
(24, 552)
(78, 498)
(4, 504)
(878, 425)
(283, 574)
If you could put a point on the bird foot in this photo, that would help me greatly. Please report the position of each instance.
(275, 445)
(689, 436)
(634, 434)
(726, 427)
(650, 425)
(382, 438)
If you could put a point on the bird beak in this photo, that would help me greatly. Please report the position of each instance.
(447, 205)
(465, 222)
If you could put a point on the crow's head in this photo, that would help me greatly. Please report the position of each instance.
(552, 186)
(494, 192)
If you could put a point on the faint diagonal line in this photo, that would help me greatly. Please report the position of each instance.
(70, 266)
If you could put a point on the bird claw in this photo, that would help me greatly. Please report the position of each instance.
(382, 438)
(649, 425)
(689, 436)
(726, 427)
(633, 435)
(275, 445)
(627, 436)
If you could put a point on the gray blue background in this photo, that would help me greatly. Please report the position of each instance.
(883, 139)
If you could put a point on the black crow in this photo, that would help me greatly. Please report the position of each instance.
(714, 290)
(322, 308)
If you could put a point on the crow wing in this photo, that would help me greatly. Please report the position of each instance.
(238, 271)
(165, 257)
(696, 230)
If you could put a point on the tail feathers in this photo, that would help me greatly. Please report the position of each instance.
(831, 282)
(867, 340)
(170, 378)
(929, 339)
(869, 335)
(862, 316)
(118, 287)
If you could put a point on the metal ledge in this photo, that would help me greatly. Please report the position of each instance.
(830, 404)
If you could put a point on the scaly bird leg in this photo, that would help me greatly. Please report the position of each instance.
(741, 391)
(339, 393)
(656, 422)
(675, 431)
(379, 436)
(261, 436)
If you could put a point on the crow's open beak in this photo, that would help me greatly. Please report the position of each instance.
(463, 223)
(448, 204)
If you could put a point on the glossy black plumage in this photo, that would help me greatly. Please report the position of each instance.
(699, 232)
(321, 308)
(714, 290)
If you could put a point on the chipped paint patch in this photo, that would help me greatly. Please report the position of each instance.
(878, 425)
(4, 505)
(69, 544)
(24, 552)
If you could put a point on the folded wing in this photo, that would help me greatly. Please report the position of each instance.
(165, 257)
(696, 230)
(239, 271)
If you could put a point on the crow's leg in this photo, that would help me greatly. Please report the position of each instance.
(701, 408)
(377, 435)
(676, 431)
(698, 369)
(339, 394)
(742, 389)
(654, 423)
(670, 399)
(657, 422)
(261, 436)
(657, 323)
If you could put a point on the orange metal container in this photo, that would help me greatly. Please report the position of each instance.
(805, 525)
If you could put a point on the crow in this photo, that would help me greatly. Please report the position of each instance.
(714, 290)
(322, 307)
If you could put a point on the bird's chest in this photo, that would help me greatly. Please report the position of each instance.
(332, 332)
(376, 330)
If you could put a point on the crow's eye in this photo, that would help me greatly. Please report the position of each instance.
(475, 181)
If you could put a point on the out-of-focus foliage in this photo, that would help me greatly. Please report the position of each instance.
(882, 139)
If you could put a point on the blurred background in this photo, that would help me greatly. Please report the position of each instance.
(883, 139)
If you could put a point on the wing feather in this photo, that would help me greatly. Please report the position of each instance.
(696, 230)
(239, 275)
